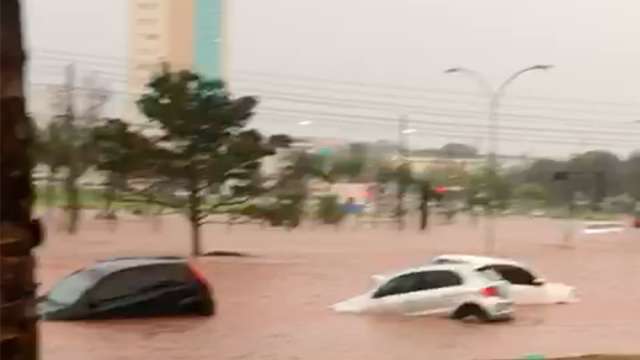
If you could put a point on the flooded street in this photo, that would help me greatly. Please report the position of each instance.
(275, 304)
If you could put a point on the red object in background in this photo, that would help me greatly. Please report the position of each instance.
(441, 189)
(636, 223)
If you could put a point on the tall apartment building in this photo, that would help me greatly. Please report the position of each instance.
(185, 34)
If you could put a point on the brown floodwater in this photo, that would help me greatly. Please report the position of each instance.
(275, 305)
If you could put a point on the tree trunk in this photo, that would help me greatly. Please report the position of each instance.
(424, 215)
(400, 210)
(194, 216)
(18, 232)
(196, 248)
(109, 193)
(72, 206)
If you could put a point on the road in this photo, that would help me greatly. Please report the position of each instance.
(274, 305)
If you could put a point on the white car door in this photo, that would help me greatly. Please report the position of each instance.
(438, 291)
(407, 294)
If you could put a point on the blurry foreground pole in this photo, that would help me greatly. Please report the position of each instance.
(567, 239)
(18, 233)
(492, 162)
(425, 196)
(403, 127)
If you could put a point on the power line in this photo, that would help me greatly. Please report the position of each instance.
(512, 135)
(71, 55)
(435, 123)
(368, 94)
(305, 78)
(422, 123)
(74, 54)
(64, 62)
(449, 134)
(448, 112)
(371, 117)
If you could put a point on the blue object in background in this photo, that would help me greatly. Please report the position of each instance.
(353, 208)
(207, 37)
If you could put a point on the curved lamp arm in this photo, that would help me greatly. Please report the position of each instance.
(479, 78)
(515, 75)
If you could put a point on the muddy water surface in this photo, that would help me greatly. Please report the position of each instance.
(275, 305)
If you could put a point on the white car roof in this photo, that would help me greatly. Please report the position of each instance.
(434, 267)
(478, 261)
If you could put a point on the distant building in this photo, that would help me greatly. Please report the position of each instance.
(424, 163)
(271, 165)
(185, 34)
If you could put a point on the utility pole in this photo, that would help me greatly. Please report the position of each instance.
(19, 234)
(70, 131)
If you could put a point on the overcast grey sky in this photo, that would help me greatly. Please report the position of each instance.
(593, 45)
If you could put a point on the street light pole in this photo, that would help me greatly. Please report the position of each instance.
(493, 129)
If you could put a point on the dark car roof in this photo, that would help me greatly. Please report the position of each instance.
(109, 266)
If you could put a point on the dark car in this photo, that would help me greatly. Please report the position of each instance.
(129, 287)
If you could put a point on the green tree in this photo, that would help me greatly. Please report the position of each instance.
(204, 158)
(385, 173)
(492, 185)
(121, 153)
(530, 192)
(50, 150)
(65, 146)
(597, 173)
(291, 187)
(631, 175)
(347, 168)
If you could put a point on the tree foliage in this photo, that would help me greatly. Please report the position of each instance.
(588, 165)
(203, 159)
(530, 192)
(490, 185)
(347, 168)
(595, 174)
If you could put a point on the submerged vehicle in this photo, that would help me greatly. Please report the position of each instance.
(458, 291)
(526, 287)
(129, 287)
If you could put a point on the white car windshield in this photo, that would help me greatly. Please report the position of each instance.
(71, 288)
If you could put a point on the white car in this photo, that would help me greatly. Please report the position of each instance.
(526, 287)
(603, 227)
(455, 290)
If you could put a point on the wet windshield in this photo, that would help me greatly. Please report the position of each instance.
(72, 287)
